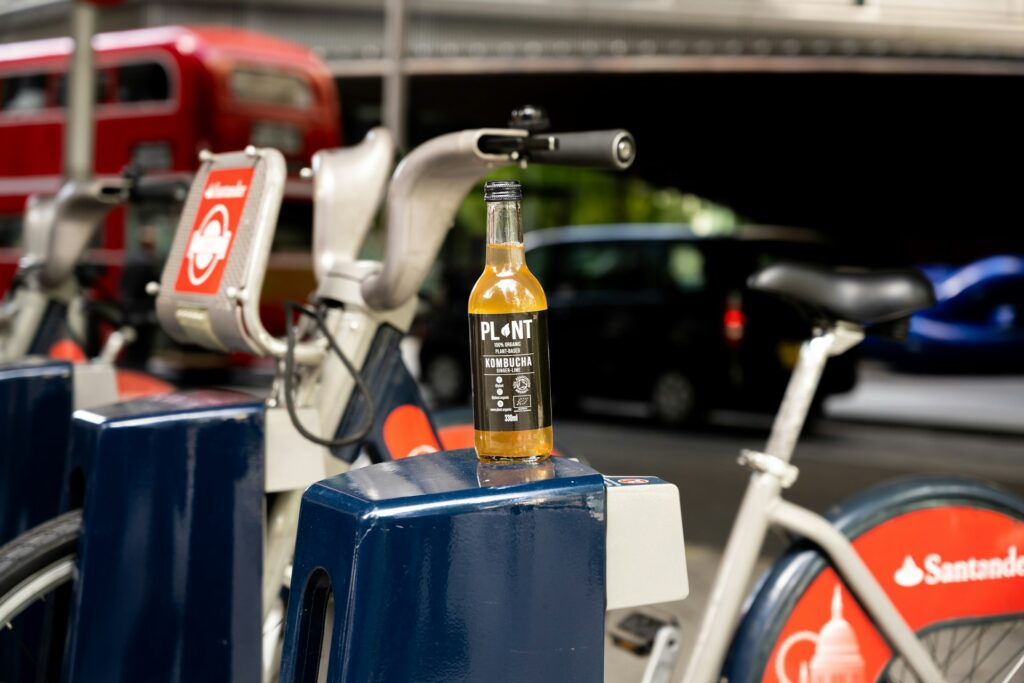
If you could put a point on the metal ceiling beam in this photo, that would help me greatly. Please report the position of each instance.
(443, 66)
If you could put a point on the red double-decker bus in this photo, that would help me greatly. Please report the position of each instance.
(162, 95)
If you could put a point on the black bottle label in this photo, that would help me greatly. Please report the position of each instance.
(511, 380)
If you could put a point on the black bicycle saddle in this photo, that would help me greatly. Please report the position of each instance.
(864, 297)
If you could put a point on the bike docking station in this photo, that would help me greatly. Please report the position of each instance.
(190, 502)
(183, 555)
(173, 511)
(444, 568)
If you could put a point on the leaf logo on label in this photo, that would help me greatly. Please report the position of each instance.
(506, 329)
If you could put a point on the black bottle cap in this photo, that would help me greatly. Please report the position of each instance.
(503, 191)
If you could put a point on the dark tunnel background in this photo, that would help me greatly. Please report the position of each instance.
(902, 168)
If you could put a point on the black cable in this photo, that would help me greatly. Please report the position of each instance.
(290, 307)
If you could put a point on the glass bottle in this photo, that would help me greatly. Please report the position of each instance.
(509, 341)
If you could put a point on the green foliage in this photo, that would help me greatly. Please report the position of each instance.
(555, 196)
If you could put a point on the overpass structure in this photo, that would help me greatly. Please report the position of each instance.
(365, 37)
(399, 39)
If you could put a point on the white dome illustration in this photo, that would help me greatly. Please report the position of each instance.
(837, 657)
(909, 574)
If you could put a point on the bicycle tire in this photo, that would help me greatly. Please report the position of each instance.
(34, 554)
(40, 550)
(36, 574)
(796, 585)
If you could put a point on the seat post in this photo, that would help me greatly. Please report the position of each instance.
(803, 384)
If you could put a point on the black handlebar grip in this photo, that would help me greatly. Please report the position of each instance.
(610, 149)
(170, 191)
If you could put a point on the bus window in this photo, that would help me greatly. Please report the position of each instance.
(143, 82)
(264, 86)
(102, 84)
(10, 231)
(24, 93)
(158, 219)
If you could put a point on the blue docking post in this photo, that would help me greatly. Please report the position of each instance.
(36, 398)
(171, 553)
(442, 569)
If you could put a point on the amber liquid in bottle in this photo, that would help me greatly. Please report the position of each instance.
(508, 287)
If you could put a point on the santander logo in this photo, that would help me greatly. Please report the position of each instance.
(209, 244)
(213, 233)
(909, 574)
(938, 571)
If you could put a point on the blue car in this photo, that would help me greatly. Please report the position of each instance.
(977, 324)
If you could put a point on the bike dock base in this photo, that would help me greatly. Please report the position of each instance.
(36, 399)
(441, 568)
(171, 548)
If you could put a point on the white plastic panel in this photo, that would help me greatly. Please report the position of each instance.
(94, 384)
(292, 461)
(646, 559)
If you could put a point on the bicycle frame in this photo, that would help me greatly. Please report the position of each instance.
(57, 232)
(376, 299)
(764, 506)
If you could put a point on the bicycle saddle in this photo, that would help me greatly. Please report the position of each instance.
(867, 297)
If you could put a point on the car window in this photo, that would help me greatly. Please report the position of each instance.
(686, 267)
(539, 262)
(613, 265)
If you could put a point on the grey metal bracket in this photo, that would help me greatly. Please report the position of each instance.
(770, 464)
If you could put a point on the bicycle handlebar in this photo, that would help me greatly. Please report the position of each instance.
(348, 186)
(608, 149)
(59, 228)
(79, 208)
(430, 183)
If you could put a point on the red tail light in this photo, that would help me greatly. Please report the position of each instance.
(734, 324)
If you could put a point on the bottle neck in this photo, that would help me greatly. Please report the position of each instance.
(505, 236)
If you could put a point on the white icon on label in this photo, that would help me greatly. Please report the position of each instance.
(500, 392)
(501, 404)
(208, 245)
(909, 574)
(836, 657)
(522, 384)
(497, 380)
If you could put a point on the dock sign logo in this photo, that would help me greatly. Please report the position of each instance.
(213, 232)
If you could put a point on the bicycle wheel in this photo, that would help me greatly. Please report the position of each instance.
(36, 570)
(950, 555)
